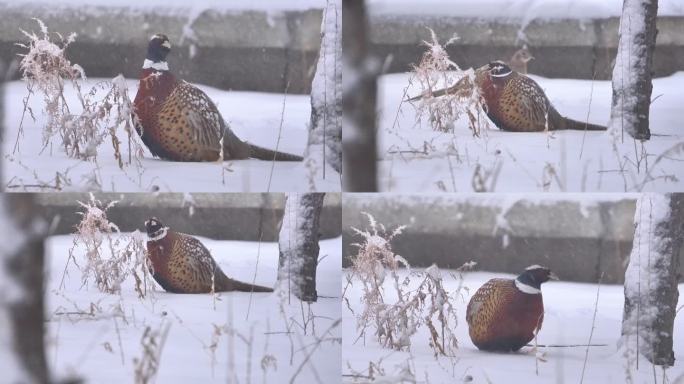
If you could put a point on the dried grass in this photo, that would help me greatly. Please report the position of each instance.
(110, 257)
(403, 373)
(436, 70)
(152, 343)
(47, 71)
(426, 304)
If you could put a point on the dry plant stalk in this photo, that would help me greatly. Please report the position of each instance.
(46, 69)
(403, 373)
(126, 256)
(437, 71)
(231, 333)
(428, 304)
(484, 180)
(152, 343)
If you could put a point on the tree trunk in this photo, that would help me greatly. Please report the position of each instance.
(325, 135)
(632, 72)
(2, 119)
(21, 291)
(359, 102)
(651, 278)
(298, 243)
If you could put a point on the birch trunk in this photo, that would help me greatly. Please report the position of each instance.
(632, 73)
(298, 244)
(651, 278)
(325, 134)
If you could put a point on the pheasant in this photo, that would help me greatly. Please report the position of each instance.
(182, 264)
(505, 314)
(519, 60)
(177, 121)
(515, 102)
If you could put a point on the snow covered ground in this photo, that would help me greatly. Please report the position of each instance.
(255, 117)
(175, 5)
(569, 309)
(561, 161)
(101, 348)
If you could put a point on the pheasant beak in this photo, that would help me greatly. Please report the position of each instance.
(529, 58)
(552, 276)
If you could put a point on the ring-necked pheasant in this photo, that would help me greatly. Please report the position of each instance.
(182, 264)
(178, 121)
(515, 102)
(520, 59)
(505, 314)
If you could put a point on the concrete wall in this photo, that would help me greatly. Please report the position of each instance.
(228, 216)
(578, 241)
(250, 50)
(562, 48)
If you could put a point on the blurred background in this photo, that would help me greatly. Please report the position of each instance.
(569, 39)
(578, 236)
(220, 216)
(225, 44)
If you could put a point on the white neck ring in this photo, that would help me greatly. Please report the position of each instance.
(524, 288)
(492, 75)
(159, 66)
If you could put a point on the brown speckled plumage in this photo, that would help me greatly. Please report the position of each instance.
(501, 317)
(182, 264)
(178, 121)
(515, 102)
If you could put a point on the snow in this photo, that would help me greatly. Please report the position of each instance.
(568, 161)
(290, 237)
(297, 220)
(326, 95)
(651, 210)
(514, 9)
(502, 200)
(569, 308)
(253, 116)
(101, 348)
(289, 223)
(167, 5)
